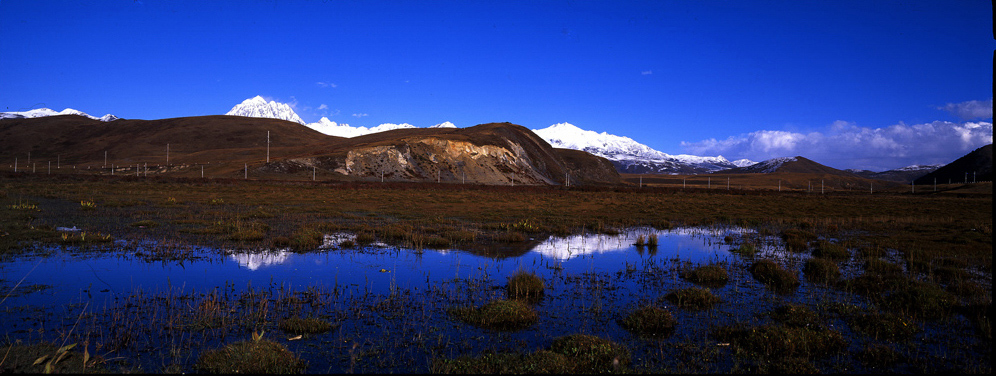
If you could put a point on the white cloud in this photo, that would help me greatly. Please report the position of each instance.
(360, 115)
(323, 107)
(647, 72)
(847, 145)
(970, 109)
(325, 84)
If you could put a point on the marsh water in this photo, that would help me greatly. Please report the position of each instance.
(143, 311)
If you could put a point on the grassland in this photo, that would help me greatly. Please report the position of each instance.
(927, 228)
(891, 236)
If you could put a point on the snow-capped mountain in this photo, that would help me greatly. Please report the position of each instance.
(42, 112)
(260, 108)
(631, 156)
(445, 124)
(331, 128)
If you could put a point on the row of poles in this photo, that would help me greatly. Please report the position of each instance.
(314, 172)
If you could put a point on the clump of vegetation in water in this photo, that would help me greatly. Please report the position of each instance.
(498, 315)
(746, 249)
(576, 353)
(523, 285)
(885, 326)
(649, 321)
(829, 250)
(709, 275)
(307, 325)
(592, 354)
(797, 240)
(821, 271)
(692, 298)
(774, 276)
(918, 299)
(776, 347)
(255, 356)
(797, 316)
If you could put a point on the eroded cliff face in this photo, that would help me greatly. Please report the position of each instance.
(429, 159)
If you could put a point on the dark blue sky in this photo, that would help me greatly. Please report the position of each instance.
(670, 74)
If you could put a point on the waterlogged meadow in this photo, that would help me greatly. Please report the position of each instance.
(379, 308)
(162, 282)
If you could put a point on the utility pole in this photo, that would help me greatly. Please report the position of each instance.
(50, 167)
(167, 156)
(15, 164)
(779, 185)
(314, 172)
(709, 183)
(105, 158)
(247, 172)
(267, 146)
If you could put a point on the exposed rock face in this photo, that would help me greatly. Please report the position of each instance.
(433, 158)
(429, 159)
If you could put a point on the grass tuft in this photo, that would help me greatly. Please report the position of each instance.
(774, 276)
(507, 315)
(649, 321)
(709, 275)
(821, 271)
(307, 325)
(523, 285)
(592, 354)
(693, 298)
(250, 357)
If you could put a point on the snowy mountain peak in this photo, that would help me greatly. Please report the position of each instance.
(42, 112)
(445, 124)
(260, 108)
(628, 155)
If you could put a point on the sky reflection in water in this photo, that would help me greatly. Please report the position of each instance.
(78, 275)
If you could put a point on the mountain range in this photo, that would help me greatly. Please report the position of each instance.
(43, 112)
(242, 147)
(624, 153)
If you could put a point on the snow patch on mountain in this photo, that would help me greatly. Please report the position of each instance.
(260, 108)
(771, 165)
(631, 156)
(43, 112)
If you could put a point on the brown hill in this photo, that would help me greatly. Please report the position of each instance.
(787, 165)
(233, 146)
(972, 167)
(76, 140)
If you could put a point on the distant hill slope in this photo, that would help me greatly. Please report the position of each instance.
(979, 162)
(899, 175)
(203, 139)
(497, 153)
(787, 165)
